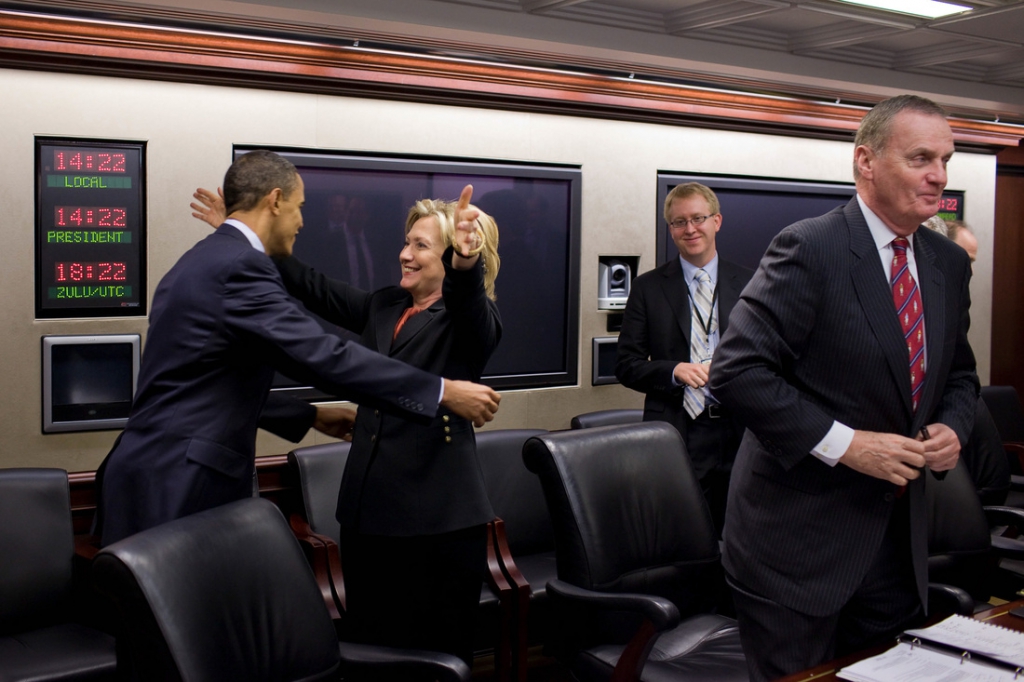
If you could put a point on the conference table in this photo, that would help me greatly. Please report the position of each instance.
(997, 615)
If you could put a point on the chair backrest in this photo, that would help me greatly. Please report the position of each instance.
(37, 540)
(220, 596)
(320, 469)
(1004, 404)
(959, 541)
(985, 459)
(514, 492)
(628, 512)
(589, 420)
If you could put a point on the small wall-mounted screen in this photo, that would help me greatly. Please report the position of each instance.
(88, 381)
(606, 349)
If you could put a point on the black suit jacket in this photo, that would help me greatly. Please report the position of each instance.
(815, 338)
(405, 478)
(221, 323)
(655, 337)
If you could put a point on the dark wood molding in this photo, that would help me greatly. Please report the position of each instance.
(129, 50)
(271, 471)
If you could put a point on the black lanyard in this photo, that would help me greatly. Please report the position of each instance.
(705, 326)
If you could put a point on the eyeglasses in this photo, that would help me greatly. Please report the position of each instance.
(697, 221)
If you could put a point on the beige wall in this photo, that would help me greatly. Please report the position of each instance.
(190, 130)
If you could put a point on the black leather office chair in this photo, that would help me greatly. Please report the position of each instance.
(39, 639)
(589, 420)
(1004, 405)
(226, 595)
(638, 559)
(965, 540)
(523, 537)
(319, 469)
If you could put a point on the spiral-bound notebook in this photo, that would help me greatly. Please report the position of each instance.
(958, 648)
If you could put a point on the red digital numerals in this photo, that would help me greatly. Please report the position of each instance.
(89, 272)
(90, 216)
(98, 162)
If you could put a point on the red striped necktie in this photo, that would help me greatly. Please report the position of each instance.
(907, 299)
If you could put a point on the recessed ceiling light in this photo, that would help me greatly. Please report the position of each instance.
(932, 9)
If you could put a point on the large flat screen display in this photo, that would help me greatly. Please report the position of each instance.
(354, 229)
(90, 228)
(755, 209)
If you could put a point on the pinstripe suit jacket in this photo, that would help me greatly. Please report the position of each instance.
(814, 339)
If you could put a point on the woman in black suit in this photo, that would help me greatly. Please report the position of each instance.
(412, 506)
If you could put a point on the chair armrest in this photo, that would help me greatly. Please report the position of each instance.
(1009, 524)
(662, 613)
(317, 549)
(945, 599)
(359, 660)
(1005, 516)
(658, 614)
(522, 590)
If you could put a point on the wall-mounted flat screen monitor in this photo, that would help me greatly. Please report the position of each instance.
(89, 381)
(90, 228)
(354, 229)
(755, 209)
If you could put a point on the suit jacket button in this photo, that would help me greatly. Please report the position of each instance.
(447, 429)
(447, 439)
(373, 438)
(446, 419)
(376, 413)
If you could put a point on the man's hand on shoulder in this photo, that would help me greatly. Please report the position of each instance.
(209, 207)
(475, 402)
(886, 456)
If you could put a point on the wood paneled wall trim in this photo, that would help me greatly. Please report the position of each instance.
(272, 472)
(139, 51)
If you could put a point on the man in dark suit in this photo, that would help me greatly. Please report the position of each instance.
(221, 324)
(674, 318)
(847, 359)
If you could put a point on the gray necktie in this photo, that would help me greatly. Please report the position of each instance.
(702, 325)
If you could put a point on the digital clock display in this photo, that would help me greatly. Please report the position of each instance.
(951, 206)
(90, 216)
(90, 228)
(91, 160)
(89, 272)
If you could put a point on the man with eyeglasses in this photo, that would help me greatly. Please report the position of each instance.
(674, 318)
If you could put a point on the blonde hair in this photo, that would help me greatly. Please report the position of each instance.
(692, 189)
(444, 213)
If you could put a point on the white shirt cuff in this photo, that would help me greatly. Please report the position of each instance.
(834, 445)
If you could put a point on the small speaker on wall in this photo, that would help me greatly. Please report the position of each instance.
(614, 278)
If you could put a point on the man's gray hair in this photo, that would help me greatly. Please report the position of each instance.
(876, 126)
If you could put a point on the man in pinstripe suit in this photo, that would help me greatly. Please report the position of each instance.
(826, 533)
